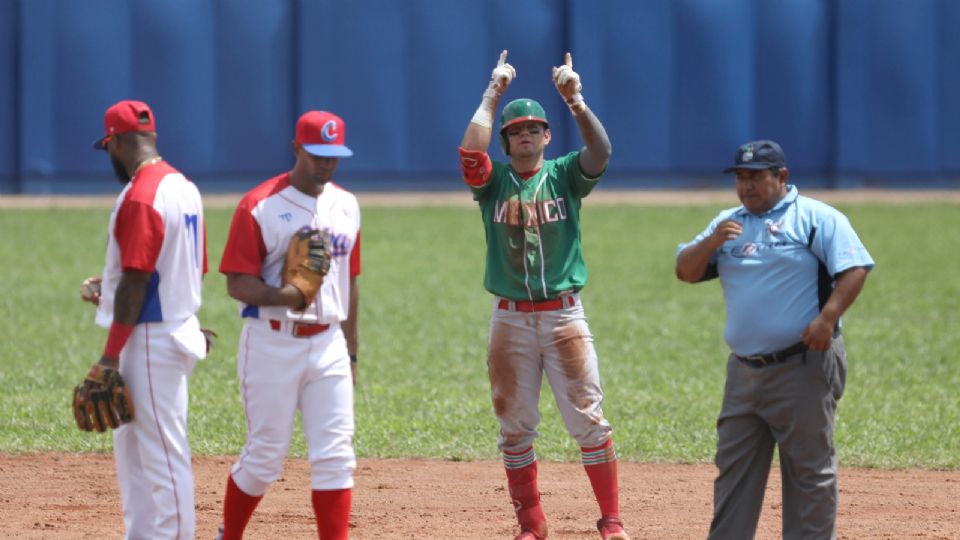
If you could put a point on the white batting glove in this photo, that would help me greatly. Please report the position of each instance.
(500, 79)
(568, 84)
(502, 75)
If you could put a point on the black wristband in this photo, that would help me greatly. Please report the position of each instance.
(353, 359)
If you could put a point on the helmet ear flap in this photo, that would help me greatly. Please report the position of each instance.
(504, 143)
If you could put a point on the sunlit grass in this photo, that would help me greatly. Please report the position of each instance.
(423, 387)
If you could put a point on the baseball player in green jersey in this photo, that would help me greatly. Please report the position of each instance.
(534, 268)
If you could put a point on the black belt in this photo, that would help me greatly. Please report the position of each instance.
(761, 360)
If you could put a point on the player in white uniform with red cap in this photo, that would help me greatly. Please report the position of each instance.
(291, 358)
(148, 298)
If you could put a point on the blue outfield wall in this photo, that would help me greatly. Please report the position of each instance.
(859, 92)
(9, 151)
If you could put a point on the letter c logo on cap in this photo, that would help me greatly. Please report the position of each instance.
(329, 131)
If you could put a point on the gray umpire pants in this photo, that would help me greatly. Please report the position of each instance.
(791, 404)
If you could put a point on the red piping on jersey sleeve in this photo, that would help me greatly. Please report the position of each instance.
(355, 258)
(476, 167)
(139, 232)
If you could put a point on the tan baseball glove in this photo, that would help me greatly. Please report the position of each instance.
(102, 400)
(307, 262)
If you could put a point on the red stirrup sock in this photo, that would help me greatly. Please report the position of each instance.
(600, 462)
(522, 483)
(332, 509)
(237, 509)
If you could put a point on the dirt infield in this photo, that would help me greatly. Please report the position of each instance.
(462, 198)
(59, 496)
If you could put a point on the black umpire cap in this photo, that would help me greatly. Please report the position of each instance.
(758, 155)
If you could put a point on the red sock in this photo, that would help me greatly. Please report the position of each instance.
(600, 462)
(332, 509)
(522, 483)
(237, 509)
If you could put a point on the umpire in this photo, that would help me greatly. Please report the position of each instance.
(789, 266)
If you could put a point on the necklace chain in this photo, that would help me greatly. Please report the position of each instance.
(144, 163)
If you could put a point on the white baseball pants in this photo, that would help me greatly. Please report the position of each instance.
(152, 453)
(524, 346)
(279, 374)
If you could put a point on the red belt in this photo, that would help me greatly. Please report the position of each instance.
(527, 306)
(301, 329)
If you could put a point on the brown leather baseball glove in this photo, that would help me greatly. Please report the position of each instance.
(102, 400)
(307, 262)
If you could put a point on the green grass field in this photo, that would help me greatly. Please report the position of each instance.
(423, 390)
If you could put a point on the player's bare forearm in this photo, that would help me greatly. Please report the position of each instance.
(127, 305)
(480, 128)
(350, 324)
(692, 262)
(849, 284)
(819, 333)
(130, 295)
(477, 138)
(597, 148)
(350, 328)
(250, 289)
(474, 161)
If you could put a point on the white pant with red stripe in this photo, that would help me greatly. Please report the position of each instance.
(152, 453)
(279, 374)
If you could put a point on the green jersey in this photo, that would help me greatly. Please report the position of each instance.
(533, 229)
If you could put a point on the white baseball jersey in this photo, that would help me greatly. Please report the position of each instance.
(157, 226)
(263, 224)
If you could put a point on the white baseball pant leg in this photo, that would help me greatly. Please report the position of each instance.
(152, 453)
(570, 363)
(278, 374)
(524, 346)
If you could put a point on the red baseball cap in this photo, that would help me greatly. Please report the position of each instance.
(322, 134)
(124, 117)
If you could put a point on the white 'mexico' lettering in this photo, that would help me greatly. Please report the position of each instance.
(500, 211)
(550, 210)
(532, 214)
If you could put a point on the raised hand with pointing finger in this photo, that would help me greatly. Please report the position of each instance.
(502, 75)
(567, 82)
(500, 79)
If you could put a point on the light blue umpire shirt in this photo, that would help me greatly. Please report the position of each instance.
(778, 272)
